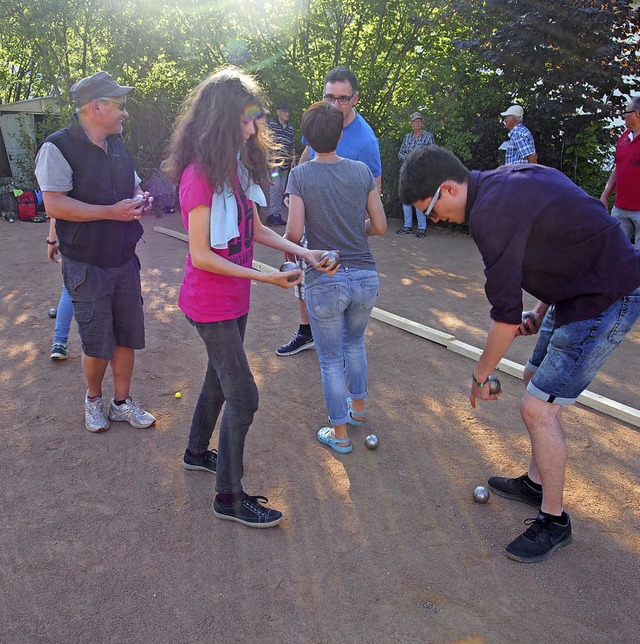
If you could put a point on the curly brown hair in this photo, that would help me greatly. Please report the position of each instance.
(208, 132)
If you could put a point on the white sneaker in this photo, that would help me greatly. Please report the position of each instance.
(131, 412)
(94, 418)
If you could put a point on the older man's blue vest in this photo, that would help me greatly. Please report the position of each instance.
(101, 179)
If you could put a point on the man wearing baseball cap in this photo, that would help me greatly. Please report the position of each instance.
(520, 148)
(90, 187)
(417, 138)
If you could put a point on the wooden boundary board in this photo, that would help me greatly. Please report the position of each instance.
(587, 398)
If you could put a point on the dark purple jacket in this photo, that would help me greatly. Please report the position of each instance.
(537, 231)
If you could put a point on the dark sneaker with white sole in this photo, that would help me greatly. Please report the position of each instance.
(207, 462)
(59, 351)
(516, 489)
(541, 539)
(299, 342)
(249, 511)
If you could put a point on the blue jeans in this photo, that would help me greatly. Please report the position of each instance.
(408, 217)
(565, 360)
(228, 380)
(339, 307)
(64, 316)
(629, 222)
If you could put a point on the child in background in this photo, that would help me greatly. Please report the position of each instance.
(64, 312)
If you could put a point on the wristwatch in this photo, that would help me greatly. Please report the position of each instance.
(479, 385)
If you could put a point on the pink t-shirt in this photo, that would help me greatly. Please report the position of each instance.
(211, 297)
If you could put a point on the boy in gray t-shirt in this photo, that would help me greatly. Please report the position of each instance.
(329, 200)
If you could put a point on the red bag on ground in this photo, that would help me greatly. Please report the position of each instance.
(27, 203)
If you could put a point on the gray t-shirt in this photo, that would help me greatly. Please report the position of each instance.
(53, 172)
(335, 202)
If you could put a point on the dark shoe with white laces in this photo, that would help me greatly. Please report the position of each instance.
(541, 539)
(59, 351)
(422, 232)
(405, 230)
(516, 489)
(299, 342)
(206, 462)
(249, 511)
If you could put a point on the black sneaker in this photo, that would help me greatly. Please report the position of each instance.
(541, 539)
(516, 489)
(207, 462)
(275, 220)
(405, 230)
(299, 342)
(422, 232)
(249, 511)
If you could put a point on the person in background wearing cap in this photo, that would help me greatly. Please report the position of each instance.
(417, 138)
(625, 178)
(90, 186)
(520, 148)
(283, 132)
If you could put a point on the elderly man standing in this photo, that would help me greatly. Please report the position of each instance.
(91, 188)
(625, 178)
(520, 148)
(417, 138)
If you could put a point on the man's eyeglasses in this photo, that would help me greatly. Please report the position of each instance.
(435, 197)
(630, 111)
(121, 105)
(343, 100)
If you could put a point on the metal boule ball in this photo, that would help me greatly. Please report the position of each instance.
(494, 385)
(329, 259)
(481, 494)
(289, 266)
(52, 313)
(371, 441)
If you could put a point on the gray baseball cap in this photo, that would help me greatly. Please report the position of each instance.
(415, 115)
(97, 86)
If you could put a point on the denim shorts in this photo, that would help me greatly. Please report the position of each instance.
(565, 360)
(107, 305)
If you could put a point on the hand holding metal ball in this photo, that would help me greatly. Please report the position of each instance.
(494, 385)
(329, 259)
(289, 266)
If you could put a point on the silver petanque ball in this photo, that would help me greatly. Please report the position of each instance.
(289, 266)
(332, 257)
(52, 313)
(371, 441)
(494, 385)
(481, 494)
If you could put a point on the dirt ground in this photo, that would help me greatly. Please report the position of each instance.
(107, 538)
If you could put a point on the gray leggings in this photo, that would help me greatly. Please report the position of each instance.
(228, 379)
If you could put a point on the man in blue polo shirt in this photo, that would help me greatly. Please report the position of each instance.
(358, 143)
(537, 231)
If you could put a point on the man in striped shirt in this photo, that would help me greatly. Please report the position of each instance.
(283, 132)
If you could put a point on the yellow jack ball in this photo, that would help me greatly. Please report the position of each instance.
(178, 394)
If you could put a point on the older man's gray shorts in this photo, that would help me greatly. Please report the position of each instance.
(107, 305)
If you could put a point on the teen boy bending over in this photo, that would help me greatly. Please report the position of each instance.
(537, 231)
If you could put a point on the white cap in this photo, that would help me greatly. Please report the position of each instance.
(514, 110)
